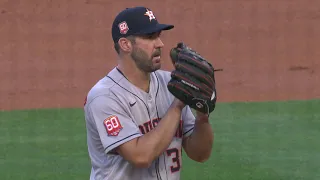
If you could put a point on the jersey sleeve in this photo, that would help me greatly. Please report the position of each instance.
(112, 122)
(188, 120)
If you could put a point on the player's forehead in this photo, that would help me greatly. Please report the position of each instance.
(149, 36)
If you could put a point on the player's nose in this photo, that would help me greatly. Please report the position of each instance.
(159, 43)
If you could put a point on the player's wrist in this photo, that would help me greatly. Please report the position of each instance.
(179, 104)
(202, 117)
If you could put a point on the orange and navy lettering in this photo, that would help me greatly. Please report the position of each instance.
(149, 125)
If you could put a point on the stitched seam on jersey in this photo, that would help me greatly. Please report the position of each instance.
(165, 164)
(89, 102)
(105, 94)
(121, 140)
(157, 161)
(158, 118)
(90, 108)
(188, 131)
(115, 83)
(132, 94)
(157, 94)
(125, 109)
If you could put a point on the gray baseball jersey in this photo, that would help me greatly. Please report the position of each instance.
(116, 111)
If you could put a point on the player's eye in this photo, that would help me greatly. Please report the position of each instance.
(152, 35)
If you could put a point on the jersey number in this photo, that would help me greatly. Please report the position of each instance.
(174, 153)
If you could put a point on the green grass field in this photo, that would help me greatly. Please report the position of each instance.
(253, 141)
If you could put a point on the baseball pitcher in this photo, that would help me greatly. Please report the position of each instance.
(138, 117)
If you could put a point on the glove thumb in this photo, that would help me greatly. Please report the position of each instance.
(175, 51)
(174, 55)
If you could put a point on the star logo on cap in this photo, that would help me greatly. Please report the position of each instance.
(150, 14)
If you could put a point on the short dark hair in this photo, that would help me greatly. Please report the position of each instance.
(131, 38)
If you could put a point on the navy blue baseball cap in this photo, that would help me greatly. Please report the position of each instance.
(136, 21)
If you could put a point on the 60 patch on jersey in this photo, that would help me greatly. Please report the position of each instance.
(112, 125)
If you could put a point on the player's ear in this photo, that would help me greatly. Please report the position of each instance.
(125, 45)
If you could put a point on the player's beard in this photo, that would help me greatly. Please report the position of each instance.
(144, 61)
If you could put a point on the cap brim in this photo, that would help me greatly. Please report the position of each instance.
(164, 27)
(157, 28)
